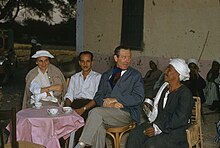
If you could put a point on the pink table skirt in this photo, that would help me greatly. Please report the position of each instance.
(35, 125)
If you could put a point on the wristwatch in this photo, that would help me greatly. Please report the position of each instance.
(84, 108)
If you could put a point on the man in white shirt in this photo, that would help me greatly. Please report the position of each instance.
(82, 87)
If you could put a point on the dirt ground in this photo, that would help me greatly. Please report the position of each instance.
(209, 128)
(11, 96)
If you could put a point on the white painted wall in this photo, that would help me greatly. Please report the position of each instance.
(179, 28)
(171, 29)
(79, 26)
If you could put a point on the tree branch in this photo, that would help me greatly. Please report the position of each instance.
(18, 9)
(7, 9)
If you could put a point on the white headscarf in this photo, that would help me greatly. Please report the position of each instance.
(194, 61)
(191, 60)
(217, 60)
(154, 60)
(181, 67)
(152, 115)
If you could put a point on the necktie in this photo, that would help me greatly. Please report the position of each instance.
(116, 74)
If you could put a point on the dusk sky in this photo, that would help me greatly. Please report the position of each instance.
(56, 17)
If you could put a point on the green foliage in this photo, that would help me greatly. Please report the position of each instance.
(58, 34)
(40, 29)
(9, 9)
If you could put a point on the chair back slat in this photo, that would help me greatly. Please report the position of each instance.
(194, 132)
(196, 111)
(67, 82)
(117, 132)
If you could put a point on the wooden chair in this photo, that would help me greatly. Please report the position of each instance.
(117, 132)
(25, 144)
(67, 81)
(7, 116)
(194, 132)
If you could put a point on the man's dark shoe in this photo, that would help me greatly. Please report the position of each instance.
(213, 108)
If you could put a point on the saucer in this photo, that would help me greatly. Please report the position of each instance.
(52, 109)
(67, 110)
(37, 107)
(52, 114)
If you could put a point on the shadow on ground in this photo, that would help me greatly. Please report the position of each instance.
(11, 93)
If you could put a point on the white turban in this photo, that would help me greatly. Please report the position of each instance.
(191, 60)
(154, 60)
(217, 60)
(181, 67)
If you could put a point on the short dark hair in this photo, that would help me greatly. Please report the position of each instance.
(117, 49)
(86, 52)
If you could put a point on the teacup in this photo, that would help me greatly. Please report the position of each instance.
(38, 105)
(37, 97)
(67, 109)
(52, 111)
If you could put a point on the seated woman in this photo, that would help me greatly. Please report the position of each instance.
(211, 90)
(44, 83)
(216, 103)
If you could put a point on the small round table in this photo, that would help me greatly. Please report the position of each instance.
(37, 126)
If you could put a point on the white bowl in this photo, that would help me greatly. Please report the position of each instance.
(52, 111)
(67, 109)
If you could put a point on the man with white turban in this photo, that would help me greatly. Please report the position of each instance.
(195, 83)
(171, 111)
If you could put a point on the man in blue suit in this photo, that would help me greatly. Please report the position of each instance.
(119, 96)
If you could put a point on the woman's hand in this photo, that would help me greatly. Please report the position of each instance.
(57, 87)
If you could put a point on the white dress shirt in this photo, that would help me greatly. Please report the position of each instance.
(80, 88)
(40, 81)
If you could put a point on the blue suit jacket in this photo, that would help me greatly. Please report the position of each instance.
(129, 91)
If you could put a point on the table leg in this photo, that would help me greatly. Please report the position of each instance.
(71, 142)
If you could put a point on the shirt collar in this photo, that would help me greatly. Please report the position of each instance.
(81, 73)
(39, 71)
(123, 71)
